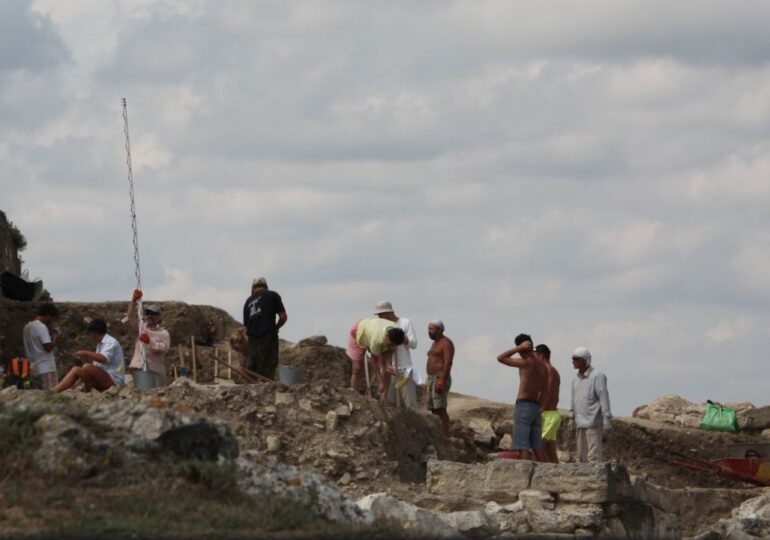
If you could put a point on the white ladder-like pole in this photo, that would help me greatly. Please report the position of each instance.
(137, 271)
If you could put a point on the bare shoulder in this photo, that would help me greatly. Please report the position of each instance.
(448, 344)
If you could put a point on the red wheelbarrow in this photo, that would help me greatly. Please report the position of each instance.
(753, 467)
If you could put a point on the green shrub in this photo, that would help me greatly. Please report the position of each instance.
(18, 239)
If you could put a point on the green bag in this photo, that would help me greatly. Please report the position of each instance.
(719, 418)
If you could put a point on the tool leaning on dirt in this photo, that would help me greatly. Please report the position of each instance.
(751, 468)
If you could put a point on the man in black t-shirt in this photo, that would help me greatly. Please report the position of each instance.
(259, 314)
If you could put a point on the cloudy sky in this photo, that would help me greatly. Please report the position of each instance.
(593, 173)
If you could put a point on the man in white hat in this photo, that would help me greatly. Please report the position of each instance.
(406, 378)
(590, 407)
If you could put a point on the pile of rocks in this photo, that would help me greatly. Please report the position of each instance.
(678, 411)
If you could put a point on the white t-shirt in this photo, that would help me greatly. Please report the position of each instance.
(115, 366)
(402, 353)
(36, 334)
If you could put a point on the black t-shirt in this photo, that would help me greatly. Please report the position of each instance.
(259, 312)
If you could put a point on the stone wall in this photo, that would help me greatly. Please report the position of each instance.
(525, 497)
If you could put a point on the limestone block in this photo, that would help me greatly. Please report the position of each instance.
(535, 499)
(500, 480)
(575, 482)
(565, 518)
(446, 477)
(482, 431)
(505, 478)
(343, 411)
(410, 517)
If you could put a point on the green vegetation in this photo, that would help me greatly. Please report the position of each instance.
(18, 239)
(161, 509)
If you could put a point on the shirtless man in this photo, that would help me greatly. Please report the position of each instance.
(549, 403)
(440, 358)
(533, 376)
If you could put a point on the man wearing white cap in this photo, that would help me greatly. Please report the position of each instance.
(406, 379)
(440, 359)
(590, 406)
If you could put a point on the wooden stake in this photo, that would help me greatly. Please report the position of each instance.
(194, 360)
(176, 374)
(216, 364)
(181, 356)
(230, 364)
(366, 372)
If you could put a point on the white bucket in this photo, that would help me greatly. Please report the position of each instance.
(289, 375)
(144, 380)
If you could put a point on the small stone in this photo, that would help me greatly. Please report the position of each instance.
(273, 443)
(345, 480)
(284, 398)
(506, 443)
(331, 421)
(319, 426)
(313, 341)
(361, 476)
(305, 404)
(343, 411)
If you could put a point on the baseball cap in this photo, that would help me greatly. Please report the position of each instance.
(383, 307)
(154, 308)
(259, 282)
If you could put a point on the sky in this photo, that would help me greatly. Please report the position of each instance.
(592, 173)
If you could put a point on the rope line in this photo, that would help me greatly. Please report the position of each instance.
(134, 229)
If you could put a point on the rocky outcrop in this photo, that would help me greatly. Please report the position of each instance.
(750, 520)
(680, 412)
(410, 517)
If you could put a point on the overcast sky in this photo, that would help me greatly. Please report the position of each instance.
(592, 173)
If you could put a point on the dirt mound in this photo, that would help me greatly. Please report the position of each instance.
(318, 362)
(182, 321)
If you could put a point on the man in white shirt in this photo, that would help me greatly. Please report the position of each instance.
(39, 343)
(590, 407)
(406, 378)
(107, 367)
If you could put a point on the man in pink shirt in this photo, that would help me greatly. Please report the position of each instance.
(153, 338)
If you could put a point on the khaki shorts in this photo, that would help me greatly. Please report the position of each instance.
(435, 400)
(551, 423)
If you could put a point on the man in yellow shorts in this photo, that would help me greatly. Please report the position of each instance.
(549, 403)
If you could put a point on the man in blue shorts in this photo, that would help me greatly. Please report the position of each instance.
(527, 424)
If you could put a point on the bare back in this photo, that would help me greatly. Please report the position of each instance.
(550, 399)
(533, 379)
(440, 356)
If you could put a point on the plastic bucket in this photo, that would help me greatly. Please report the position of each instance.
(144, 380)
(289, 375)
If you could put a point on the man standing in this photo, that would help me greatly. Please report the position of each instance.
(590, 406)
(155, 339)
(551, 419)
(107, 368)
(39, 343)
(533, 380)
(259, 313)
(440, 358)
(406, 379)
(380, 338)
